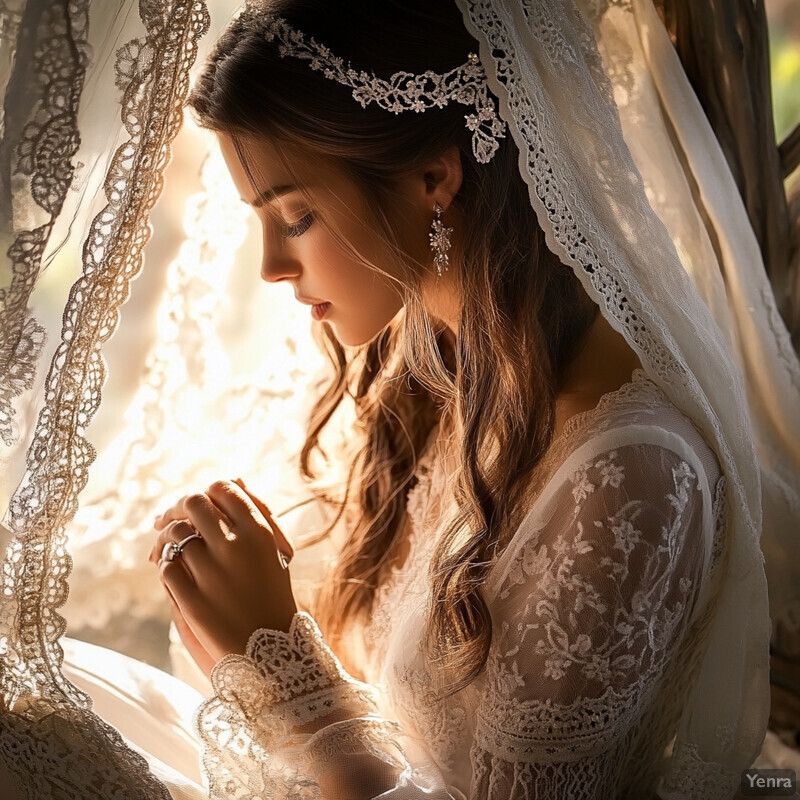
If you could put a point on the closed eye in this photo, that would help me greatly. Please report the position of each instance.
(297, 228)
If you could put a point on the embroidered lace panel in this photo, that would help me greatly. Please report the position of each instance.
(47, 733)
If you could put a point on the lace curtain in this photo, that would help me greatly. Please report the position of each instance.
(93, 105)
(202, 348)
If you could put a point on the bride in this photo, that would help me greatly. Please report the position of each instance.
(524, 592)
(550, 583)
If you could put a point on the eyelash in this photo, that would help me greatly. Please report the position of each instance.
(298, 228)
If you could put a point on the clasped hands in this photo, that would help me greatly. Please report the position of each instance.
(232, 581)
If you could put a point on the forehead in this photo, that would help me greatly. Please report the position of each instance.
(253, 165)
(257, 166)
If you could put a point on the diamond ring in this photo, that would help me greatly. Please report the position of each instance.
(171, 549)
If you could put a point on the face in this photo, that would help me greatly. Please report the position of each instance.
(300, 250)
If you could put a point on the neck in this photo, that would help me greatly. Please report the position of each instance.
(441, 300)
(604, 362)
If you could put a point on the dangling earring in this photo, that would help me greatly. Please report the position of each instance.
(440, 241)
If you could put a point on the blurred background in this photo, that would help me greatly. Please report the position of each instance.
(784, 31)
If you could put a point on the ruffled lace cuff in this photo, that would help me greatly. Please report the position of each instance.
(288, 680)
(282, 712)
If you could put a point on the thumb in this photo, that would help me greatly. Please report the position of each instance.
(281, 541)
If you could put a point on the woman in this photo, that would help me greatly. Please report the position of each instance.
(551, 583)
(530, 580)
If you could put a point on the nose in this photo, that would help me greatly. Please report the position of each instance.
(276, 263)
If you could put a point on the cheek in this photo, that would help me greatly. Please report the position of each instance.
(364, 301)
(338, 267)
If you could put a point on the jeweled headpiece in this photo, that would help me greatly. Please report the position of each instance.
(403, 91)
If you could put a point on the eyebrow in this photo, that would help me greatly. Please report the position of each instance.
(268, 195)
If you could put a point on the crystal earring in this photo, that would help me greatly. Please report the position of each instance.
(440, 241)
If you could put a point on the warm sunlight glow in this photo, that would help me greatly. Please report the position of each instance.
(225, 393)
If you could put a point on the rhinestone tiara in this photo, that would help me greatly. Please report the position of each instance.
(404, 91)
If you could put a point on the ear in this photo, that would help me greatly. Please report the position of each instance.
(442, 178)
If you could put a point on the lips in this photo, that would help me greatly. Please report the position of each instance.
(319, 310)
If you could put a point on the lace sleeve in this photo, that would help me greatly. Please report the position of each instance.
(286, 721)
(588, 606)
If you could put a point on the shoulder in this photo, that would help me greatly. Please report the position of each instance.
(634, 475)
(638, 415)
(617, 565)
(613, 500)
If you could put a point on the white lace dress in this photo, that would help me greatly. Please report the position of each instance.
(598, 605)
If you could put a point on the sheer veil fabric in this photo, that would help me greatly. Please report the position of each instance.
(55, 57)
(628, 262)
(633, 194)
(687, 182)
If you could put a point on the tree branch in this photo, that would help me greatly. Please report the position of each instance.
(789, 153)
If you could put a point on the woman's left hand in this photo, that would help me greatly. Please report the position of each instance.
(231, 582)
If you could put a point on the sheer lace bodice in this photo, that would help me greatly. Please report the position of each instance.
(598, 612)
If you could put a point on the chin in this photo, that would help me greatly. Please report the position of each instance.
(356, 338)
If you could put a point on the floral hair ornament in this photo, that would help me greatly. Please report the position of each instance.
(404, 91)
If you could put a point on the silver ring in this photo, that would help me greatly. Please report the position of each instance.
(170, 549)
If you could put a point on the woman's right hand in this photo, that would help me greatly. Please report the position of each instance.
(234, 580)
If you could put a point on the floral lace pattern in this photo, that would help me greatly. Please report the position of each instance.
(49, 758)
(422, 508)
(591, 201)
(284, 681)
(590, 611)
(575, 622)
(41, 126)
(153, 74)
(698, 777)
(574, 225)
(290, 672)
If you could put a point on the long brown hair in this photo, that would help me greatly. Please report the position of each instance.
(522, 312)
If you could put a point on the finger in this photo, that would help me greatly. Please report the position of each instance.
(181, 591)
(188, 603)
(191, 553)
(189, 638)
(232, 500)
(178, 582)
(165, 517)
(166, 534)
(282, 541)
(184, 629)
(209, 520)
(175, 612)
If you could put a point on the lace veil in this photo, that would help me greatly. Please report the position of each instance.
(633, 193)
(702, 320)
